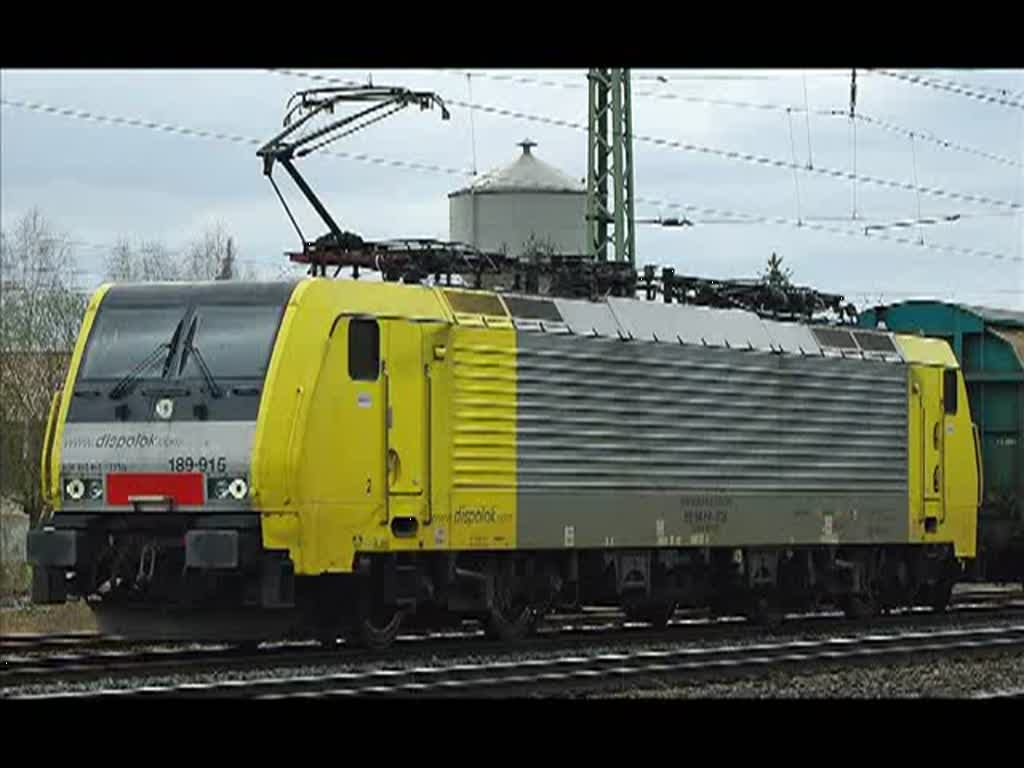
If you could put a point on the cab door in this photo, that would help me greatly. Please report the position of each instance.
(361, 465)
(932, 446)
(408, 425)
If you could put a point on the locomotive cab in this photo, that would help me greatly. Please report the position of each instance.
(147, 462)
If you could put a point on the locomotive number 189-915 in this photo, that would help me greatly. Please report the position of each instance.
(201, 463)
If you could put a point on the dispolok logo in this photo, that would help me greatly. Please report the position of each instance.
(476, 515)
(138, 440)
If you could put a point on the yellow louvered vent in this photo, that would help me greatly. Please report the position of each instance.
(477, 308)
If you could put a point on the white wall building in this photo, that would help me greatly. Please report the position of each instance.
(504, 209)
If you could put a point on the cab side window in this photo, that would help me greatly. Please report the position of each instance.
(949, 391)
(363, 349)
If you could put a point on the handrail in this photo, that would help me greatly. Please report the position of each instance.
(979, 462)
(45, 475)
(289, 459)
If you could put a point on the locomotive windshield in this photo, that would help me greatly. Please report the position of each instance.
(234, 341)
(123, 337)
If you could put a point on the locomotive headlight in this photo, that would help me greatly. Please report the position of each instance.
(238, 488)
(75, 489)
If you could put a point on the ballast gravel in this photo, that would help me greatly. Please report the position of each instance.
(948, 677)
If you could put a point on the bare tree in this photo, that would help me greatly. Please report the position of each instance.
(204, 258)
(40, 316)
(227, 263)
(150, 261)
(214, 256)
(211, 256)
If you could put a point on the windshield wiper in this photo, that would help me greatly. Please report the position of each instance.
(172, 345)
(124, 385)
(211, 382)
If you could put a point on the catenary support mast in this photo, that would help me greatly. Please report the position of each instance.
(610, 228)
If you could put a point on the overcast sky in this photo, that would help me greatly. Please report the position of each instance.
(98, 181)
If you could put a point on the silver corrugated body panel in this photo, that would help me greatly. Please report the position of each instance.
(650, 321)
(792, 337)
(588, 318)
(604, 423)
(595, 412)
(703, 326)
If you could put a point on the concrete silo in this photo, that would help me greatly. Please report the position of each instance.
(527, 201)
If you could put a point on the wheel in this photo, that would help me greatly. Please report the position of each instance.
(939, 595)
(376, 629)
(657, 615)
(859, 607)
(766, 610)
(511, 618)
(328, 638)
(512, 615)
(508, 628)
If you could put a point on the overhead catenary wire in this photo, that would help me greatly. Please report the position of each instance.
(887, 292)
(943, 74)
(761, 160)
(1020, 174)
(692, 147)
(236, 139)
(882, 297)
(796, 176)
(675, 77)
(913, 157)
(931, 138)
(884, 223)
(950, 87)
(853, 126)
(472, 121)
(216, 135)
(746, 76)
(880, 123)
(807, 120)
(665, 95)
(817, 227)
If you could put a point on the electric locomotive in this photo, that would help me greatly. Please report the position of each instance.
(322, 457)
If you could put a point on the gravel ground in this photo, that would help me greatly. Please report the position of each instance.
(954, 677)
(19, 615)
(15, 602)
(770, 686)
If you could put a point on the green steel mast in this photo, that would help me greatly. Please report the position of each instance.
(610, 158)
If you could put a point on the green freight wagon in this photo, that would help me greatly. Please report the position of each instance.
(989, 343)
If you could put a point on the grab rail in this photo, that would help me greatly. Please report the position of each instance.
(45, 474)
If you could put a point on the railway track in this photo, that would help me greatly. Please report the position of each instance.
(70, 641)
(76, 658)
(578, 673)
(75, 643)
(1013, 693)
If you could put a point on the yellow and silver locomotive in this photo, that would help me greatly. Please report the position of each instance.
(332, 456)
